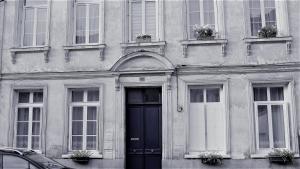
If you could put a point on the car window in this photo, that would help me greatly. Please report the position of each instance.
(33, 167)
(13, 162)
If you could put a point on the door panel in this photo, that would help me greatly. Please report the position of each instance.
(143, 128)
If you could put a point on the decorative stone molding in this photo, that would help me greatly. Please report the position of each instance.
(169, 81)
(44, 49)
(286, 39)
(99, 47)
(158, 47)
(117, 83)
(186, 43)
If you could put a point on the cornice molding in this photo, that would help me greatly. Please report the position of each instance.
(181, 70)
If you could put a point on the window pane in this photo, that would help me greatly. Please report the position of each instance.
(213, 95)
(22, 128)
(38, 97)
(93, 95)
(77, 113)
(196, 95)
(77, 127)
(151, 18)
(24, 97)
(91, 143)
(263, 126)
(36, 114)
(23, 114)
(35, 142)
(91, 128)
(77, 96)
(270, 12)
(35, 128)
(278, 126)
(22, 142)
(152, 95)
(255, 16)
(92, 113)
(209, 14)
(28, 27)
(276, 93)
(80, 23)
(135, 96)
(41, 26)
(35, 2)
(194, 15)
(136, 19)
(260, 94)
(94, 23)
(76, 142)
(13, 162)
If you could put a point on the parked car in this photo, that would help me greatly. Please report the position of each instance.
(26, 159)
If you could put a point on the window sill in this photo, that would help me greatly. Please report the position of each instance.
(265, 155)
(282, 39)
(186, 43)
(74, 47)
(196, 155)
(95, 155)
(34, 49)
(160, 44)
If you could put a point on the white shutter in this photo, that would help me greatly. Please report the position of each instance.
(136, 19)
(216, 128)
(150, 15)
(197, 127)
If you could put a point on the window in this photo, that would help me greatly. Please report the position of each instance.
(143, 18)
(13, 162)
(29, 112)
(84, 108)
(87, 22)
(207, 122)
(271, 116)
(35, 22)
(268, 13)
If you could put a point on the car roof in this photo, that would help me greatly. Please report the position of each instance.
(14, 150)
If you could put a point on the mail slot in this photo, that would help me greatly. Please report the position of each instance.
(134, 139)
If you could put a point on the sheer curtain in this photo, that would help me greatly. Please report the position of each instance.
(255, 16)
(77, 128)
(278, 126)
(136, 18)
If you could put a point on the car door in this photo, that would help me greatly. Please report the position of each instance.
(8, 161)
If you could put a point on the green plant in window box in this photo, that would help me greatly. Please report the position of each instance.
(206, 32)
(282, 156)
(267, 32)
(81, 156)
(143, 38)
(211, 158)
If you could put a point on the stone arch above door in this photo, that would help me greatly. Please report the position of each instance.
(142, 61)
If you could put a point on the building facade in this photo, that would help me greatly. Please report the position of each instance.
(74, 76)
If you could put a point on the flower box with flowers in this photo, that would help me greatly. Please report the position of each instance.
(211, 158)
(206, 32)
(81, 156)
(282, 156)
(267, 32)
(143, 38)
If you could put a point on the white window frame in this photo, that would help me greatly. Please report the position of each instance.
(219, 18)
(224, 100)
(268, 103)
(282, 23)
(85, 104)
(30, 106)
(87, 4)
(35, 7)
(159, 19)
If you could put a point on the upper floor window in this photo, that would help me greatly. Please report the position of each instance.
(35, 22)
(144, 18)
(87, 22)
(272, 117)
(268, 13)
(205, 13)
(29, 113)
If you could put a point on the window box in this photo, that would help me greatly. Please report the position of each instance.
(99, 47)
(143, 38)
(41, 49)
(204, 42)
(254, 40)
(142, 46)
(282, 156)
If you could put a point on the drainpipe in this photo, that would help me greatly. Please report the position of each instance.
(2, 17)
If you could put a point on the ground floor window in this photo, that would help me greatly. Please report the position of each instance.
(29, 112)
(207, 120)
(271, 117)
(83, 115)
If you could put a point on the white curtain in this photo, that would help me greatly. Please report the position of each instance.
(194, 15)
(270, 12)
(255, 16)
(91, 128)
(136, 19)
(150, 15)
(77, 128)
(22, 127)
(93, 23)
(278, 126)
(263, 126)
(80, 23)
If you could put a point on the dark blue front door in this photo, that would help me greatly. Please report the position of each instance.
(143, 128)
